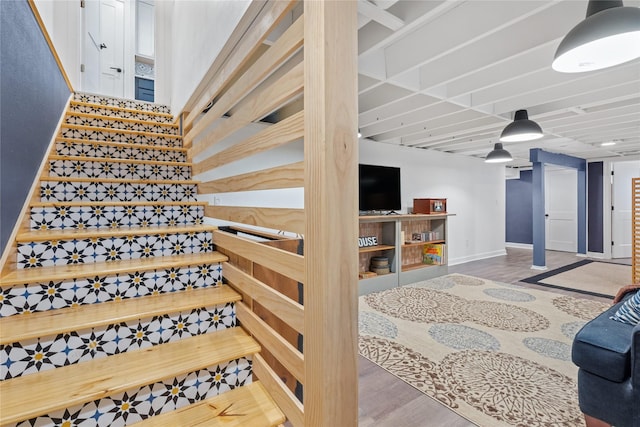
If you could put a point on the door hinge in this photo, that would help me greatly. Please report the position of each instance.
(611, 207)
(81, 3)
(612, 243)
(611, 173)
(82, 68)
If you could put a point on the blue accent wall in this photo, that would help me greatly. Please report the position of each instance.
(519, 209)
(595, 207)
(34, 94)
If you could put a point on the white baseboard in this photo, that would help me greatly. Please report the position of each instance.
(476, 257)
(539, 267)
(519, 245)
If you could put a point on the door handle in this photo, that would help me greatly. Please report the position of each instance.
(103, 46)
(118, 69)
(546, 215)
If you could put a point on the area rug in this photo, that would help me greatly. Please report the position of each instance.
(497, 354)
(587, 277)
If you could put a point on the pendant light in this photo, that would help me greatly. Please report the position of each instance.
(521, 129)
(498, 155)
(608, 36)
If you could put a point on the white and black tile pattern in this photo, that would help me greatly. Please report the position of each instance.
(112, 169)
(63, 191)
(31, 298)
(125, 114)
(114, 123)
(118, 151)
(136, 405)
(117, 136)
(81, 217)
(101, 249)
(121, 103)
(46, 353)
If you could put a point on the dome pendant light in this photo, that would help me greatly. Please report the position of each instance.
(608, 36)
(521, 129)
(498, 155)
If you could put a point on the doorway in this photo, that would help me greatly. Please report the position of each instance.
(621, 207)
(103, 47)
(561, 216)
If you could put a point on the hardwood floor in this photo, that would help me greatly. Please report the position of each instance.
(385, 401)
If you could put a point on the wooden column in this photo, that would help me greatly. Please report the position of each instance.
(331, 229)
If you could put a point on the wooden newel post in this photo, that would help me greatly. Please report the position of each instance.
(331, 206)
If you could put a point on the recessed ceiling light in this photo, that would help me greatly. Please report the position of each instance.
(606, 144)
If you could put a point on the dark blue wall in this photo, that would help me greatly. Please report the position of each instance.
(595, 207)
(34, 94)
(519, 206)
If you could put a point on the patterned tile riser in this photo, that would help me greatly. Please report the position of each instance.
(65, 252)
(115, 136)
(31, 298)
(116, 170)
(46, 353)
(140, 115)
(116, 192)
(135, 405)
(77, 217)
(122, 103)
(114, 123)
(65, 148)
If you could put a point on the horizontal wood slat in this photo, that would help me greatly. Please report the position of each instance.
(52, 322)
(281, 261)
(284, 47)
(281, 133)
(236, 52)
(286, 176)
(280, 305)
(97, 204)
(279, 392)
(25, 397)
(286, 354)
(277, 218)
(258, 104)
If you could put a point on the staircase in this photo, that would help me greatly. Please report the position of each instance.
(116, 313)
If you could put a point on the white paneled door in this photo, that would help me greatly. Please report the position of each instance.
(561, 204)
(103, 47)
(621, 207)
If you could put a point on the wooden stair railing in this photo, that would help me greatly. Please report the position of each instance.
(287, 122)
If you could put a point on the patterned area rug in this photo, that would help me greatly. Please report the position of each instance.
(587, 277)
(497, 354)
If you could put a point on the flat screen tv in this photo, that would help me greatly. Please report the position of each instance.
(379, 188)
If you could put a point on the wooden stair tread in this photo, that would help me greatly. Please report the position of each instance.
(113, 107)
(120, 119)
(87, 233)
(114, 180)
(251, 405)
(51, 322)
(123, 144)
(40, 393)
(132, 132)
(116, 160)
(89, 204)
(101, 269)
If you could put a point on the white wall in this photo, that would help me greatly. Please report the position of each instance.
(62, 19)
(475, 193)
(200, 28)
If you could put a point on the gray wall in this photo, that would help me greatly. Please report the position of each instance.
(34, 94)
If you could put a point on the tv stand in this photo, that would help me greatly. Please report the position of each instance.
(394, 233)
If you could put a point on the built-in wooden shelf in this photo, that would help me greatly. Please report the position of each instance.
(376, 248)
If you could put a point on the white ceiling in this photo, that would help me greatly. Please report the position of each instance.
(448, 76)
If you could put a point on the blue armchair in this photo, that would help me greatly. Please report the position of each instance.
(607, 354)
